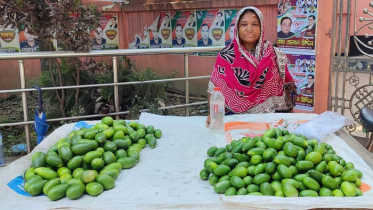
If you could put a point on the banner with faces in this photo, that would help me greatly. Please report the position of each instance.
(192, 28)
(301, 65)
(105, 37)
(296, 24)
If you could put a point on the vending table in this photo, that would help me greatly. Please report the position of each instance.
(168, 175)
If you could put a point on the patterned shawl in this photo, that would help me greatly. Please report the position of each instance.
(253, 83)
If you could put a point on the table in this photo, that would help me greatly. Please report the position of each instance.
(168, 176)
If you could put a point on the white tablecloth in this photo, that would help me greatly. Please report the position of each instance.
(168, 176)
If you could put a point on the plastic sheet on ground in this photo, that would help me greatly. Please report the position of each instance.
(168, 176)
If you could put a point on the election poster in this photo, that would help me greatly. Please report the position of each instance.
(106, 34)
(27, 41)
(296, 23)
(218, 29)
(230, 17)
(211, 28)
(164, 32)
(155, 41)
(301, 65)
(158, 34)
(141, 40)
(184, 27)
(9, 39)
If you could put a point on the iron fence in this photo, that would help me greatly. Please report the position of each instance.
(109, 53)
(351, 84)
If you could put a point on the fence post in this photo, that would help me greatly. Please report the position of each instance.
(116, 90)
(186, 70)
(24, 104)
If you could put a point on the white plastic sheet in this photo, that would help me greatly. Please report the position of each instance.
(168, 176)
(323, 125)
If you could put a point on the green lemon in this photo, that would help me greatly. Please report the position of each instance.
(118, 135)
(107, 120)
(119, 122)
(101, 126)
(150, 129)
(157, 133)
(109, 133)
(141, 132)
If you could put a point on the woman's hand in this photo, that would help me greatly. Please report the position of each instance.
(208, 121)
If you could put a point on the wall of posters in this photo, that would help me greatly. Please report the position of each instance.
(301, 65)
(106, 35)
(296, 36)
(296, 24)
(9, 40)
(194, 28)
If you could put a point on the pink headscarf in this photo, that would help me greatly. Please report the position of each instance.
(252, 83)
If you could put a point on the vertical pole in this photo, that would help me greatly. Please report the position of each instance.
(116, 90)
(186, 70)
(347, 41)
(24, 104)
(339, 31)
(333, 36)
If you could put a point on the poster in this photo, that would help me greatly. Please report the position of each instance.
(230, 20)
(164, 31)
(141, 40)
(296, 24)
(27, 41)
(211, 28)
(106, 35)
(184, 27)
(301, 65)
(9, 41)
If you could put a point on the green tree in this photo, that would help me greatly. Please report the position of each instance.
(67, 21)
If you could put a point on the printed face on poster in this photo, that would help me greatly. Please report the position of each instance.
(163, 32)
(302, 68)
(296, 24)
(230, 20)
(9, 41)
(106, 35)
(184, 29)
(28, 42)
(211, 28)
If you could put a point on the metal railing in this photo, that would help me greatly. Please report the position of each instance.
(351, 78)
(111, 53)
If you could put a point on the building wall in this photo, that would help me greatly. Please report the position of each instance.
(142, 12)
(10, 76)
(138, 15)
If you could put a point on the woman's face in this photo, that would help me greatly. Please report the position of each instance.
(249, 28)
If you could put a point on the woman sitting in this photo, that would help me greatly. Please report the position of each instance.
(251, 73)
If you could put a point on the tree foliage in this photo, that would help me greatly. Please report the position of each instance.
(67, 21)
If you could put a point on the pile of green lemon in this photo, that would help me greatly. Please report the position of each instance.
(88, 160)
(280, 164)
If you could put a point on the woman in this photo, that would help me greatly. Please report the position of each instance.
(251, 73)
